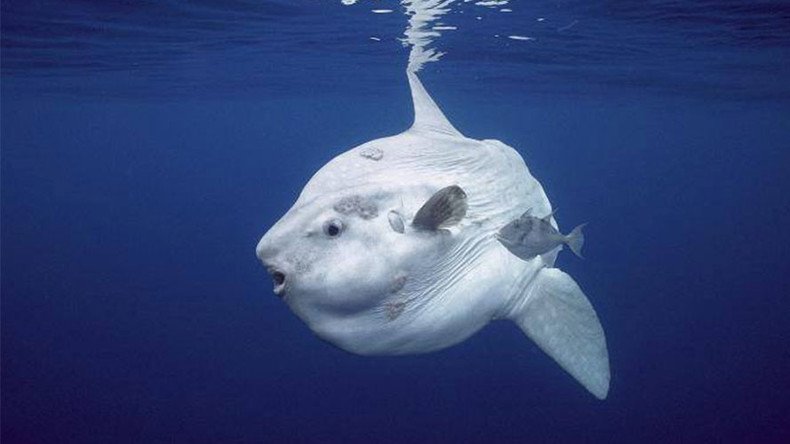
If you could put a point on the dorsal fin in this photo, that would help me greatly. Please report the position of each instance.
(427, 115)
(547, 218)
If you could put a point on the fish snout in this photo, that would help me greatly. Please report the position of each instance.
(268, 255)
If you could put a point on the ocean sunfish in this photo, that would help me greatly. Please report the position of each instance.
(529, 236)
(391, 248)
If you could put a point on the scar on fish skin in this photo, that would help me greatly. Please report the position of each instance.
(398, 283)
(371, 153)
(364, 208)
(394, 309)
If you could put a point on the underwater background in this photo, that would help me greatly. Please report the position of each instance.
(146, 147)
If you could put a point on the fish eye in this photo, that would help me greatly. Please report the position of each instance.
(333, 227)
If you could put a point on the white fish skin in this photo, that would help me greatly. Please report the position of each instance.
(348, 261)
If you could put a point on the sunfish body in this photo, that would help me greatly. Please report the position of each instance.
(391, 248)
(530, 236)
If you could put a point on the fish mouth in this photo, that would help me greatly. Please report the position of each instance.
(278, 278)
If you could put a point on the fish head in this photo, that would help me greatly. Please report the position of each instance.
(515, 231)
(336, 256)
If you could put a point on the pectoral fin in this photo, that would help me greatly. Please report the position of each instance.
(396, 221)
(445, 208)
(558, 317)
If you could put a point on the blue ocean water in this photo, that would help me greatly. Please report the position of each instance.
(146, 147)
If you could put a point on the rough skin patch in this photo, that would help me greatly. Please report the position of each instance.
(394, 309)
(372, 153)
(398, 283)
(300, 264)
(362, 207)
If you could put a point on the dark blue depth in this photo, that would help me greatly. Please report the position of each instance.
(147, 147)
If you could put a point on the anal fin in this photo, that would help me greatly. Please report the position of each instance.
(556, 315)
